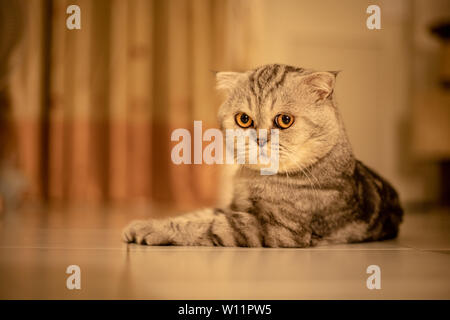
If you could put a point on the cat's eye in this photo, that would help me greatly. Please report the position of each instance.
(284, 121)
(243, 120)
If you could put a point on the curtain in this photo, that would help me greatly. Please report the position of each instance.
(94, 108)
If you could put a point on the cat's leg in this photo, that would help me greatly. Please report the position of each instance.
(208, 227)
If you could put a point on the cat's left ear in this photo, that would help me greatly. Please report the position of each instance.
(321, 83)
(226, 81)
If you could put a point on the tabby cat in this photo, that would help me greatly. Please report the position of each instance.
(320, 195)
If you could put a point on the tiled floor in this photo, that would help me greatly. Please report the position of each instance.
(36, 247)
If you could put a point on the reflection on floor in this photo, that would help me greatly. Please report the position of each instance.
(36, 247)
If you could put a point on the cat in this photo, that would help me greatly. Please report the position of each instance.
(320, 195)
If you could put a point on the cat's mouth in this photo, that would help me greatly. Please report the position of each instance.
(255, 157)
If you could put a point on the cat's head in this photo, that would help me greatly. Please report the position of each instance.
(295, 101)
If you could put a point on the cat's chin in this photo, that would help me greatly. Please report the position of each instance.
(281, 169)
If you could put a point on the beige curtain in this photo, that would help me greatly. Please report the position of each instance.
(94, 108)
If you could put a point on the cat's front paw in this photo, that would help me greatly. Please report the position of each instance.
(138, 231)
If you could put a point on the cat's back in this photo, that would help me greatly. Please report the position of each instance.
(379, 202)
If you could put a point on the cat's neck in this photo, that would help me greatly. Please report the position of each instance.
(337, 162)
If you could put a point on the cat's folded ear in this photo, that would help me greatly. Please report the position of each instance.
(226, 81)
(321, 84)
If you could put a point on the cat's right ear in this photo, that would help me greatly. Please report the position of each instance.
(226, 81)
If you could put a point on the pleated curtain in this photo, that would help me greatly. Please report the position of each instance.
(94, 108)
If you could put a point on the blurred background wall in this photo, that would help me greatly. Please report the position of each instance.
(92, 110)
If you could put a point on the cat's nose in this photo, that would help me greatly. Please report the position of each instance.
(261, 141)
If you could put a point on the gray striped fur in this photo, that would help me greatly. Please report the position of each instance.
(321, 193)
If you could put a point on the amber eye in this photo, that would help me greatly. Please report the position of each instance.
(284, 121)
(243, 120)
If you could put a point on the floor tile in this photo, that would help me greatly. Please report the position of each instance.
(35, 253)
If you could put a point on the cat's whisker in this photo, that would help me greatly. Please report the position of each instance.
(312, 175)
(302, 169)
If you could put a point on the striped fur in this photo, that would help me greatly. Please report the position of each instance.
(321, 194)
